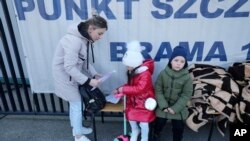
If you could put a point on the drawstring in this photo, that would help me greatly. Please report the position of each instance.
(92, 53)
(88, 55)
(93, 57)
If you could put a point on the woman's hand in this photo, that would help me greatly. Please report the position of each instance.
(94, 82)
(97, 76)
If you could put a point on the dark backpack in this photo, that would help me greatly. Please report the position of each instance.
(94, 100)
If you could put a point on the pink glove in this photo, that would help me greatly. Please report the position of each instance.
(119, 95)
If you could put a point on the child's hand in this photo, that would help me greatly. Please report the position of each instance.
(119, 95)
(165, 110)
(171, 111)
(120, 90)
(115, 91)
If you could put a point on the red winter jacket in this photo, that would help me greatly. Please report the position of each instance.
(138, 91)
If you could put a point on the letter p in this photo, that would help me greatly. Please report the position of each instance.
(20, 8)
(243, 131)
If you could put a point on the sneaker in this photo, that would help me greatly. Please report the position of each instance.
(86, 130)
(82, 138)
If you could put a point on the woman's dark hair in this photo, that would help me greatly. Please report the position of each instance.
(96, 21)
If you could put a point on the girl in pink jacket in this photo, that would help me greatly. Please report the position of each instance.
(138, 89)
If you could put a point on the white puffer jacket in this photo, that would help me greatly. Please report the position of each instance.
(69, 63)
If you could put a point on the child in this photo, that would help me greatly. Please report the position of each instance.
(173, 90)
(138, 89)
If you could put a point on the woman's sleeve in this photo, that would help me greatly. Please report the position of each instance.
(71, 49)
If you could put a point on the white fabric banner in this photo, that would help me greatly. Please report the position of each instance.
(215, 32)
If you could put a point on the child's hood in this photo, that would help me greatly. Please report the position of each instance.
(147, 64)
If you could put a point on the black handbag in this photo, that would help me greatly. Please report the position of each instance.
(94, 100)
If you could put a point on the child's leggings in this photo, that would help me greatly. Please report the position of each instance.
(144, 128)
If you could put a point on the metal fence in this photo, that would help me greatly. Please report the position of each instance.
(15, 94)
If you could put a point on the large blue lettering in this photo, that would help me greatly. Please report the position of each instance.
(56, 8)
(160, 54)
(232, 11)
(148, 48)
(127, 8)
(218, 45)
(204, 10)
(21, 9)
(163, 10)
(166, 7)
(181, 12)
(197, 48)
(81, 12)
(117, 49)
(103, 6)
(247, 47)
(217, 51)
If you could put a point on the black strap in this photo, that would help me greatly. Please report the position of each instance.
(88, 55)
(93, 57)
(92, 53)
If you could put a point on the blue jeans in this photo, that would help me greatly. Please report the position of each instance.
(75, 116)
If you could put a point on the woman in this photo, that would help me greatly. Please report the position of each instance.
(71, 58)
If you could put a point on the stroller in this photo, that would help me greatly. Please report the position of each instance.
(125, 136)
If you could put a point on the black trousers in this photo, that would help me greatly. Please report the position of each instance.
(177, 128)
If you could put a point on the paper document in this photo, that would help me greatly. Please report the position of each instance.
(112, 99)
(104, 78)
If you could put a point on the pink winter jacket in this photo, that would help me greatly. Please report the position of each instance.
(138, 91)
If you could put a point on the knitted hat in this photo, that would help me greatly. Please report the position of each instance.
(133, 57)
(178, 51)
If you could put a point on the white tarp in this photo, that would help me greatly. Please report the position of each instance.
(216, 32)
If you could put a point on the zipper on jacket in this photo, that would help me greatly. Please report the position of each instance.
(170, 95)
